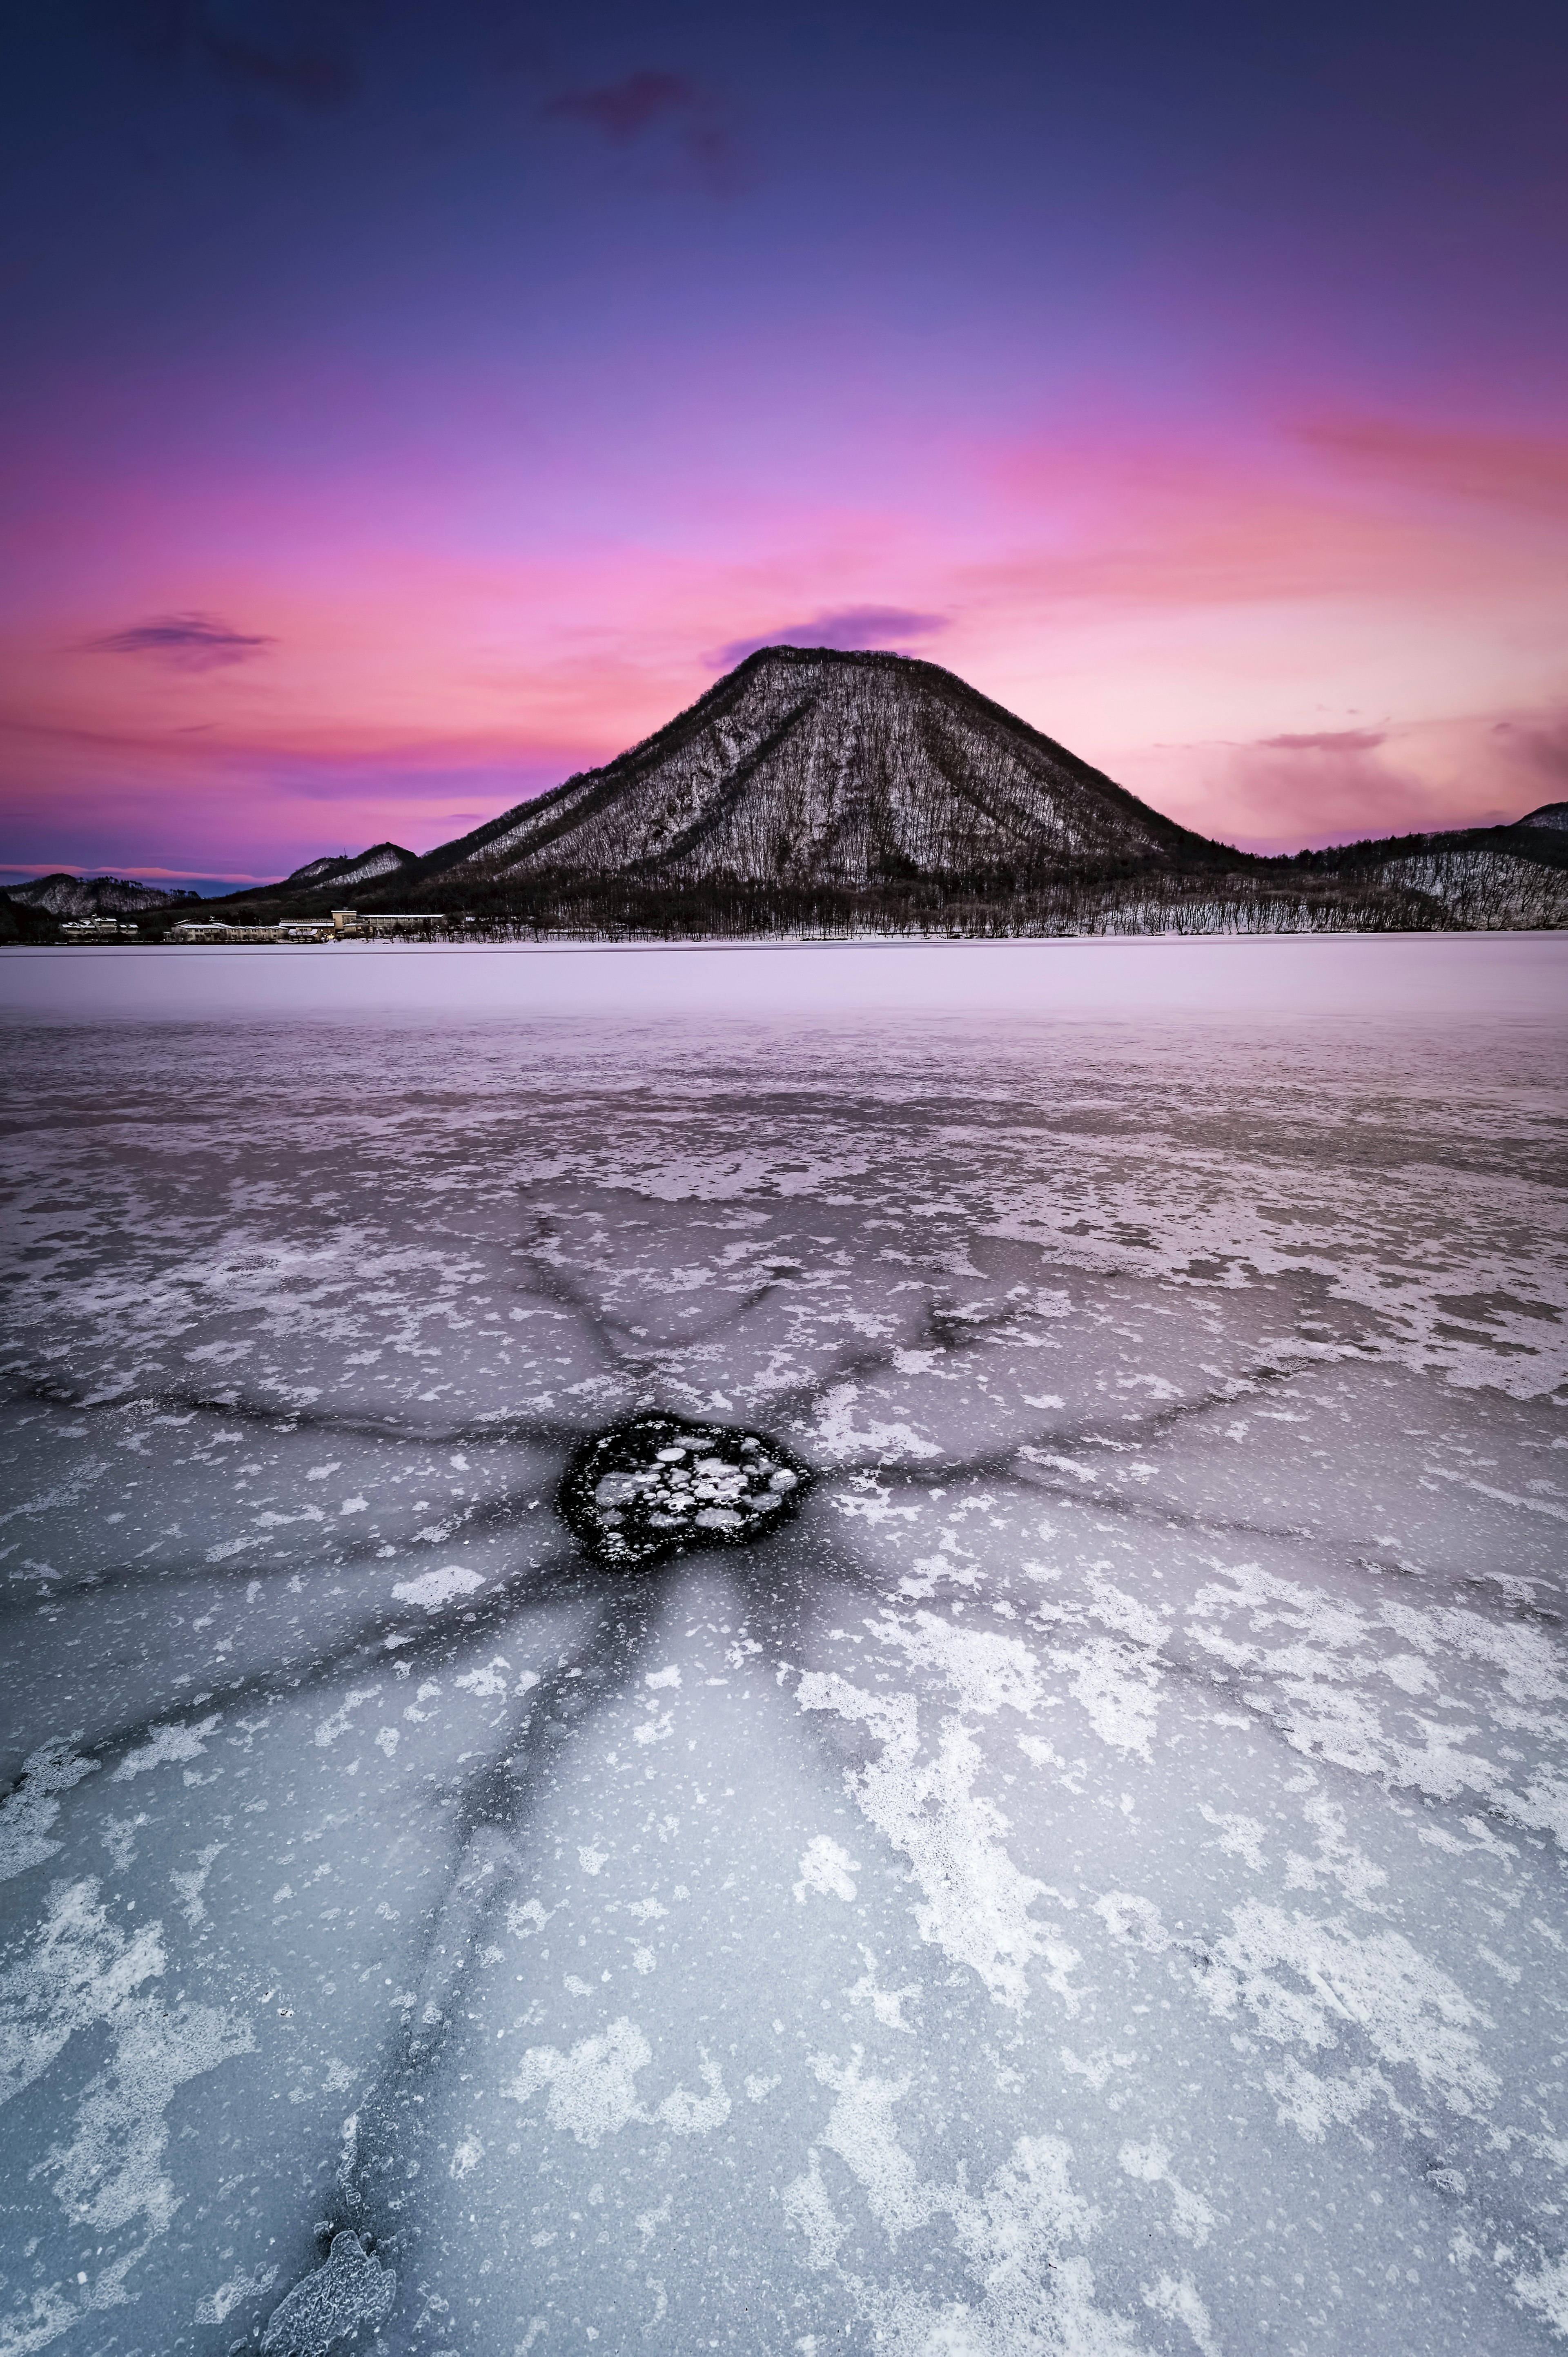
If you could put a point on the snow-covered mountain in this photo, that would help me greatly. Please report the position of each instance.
(1486, 891)
(808, 767)
(92, 896)
(809, 786)
(362, 867)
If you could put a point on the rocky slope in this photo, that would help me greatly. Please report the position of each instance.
(806, 769)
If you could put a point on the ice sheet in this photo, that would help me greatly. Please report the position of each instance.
(1092, 1882)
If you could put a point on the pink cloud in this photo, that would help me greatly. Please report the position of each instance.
(1526, 472)
(1541, 748)
(1296, 792)
(1340, 741)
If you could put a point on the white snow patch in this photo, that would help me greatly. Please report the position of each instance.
(1405, 2007)
(489, 1680)
(827, 1869)
(976, 1902)
(592, 2090)
(1176, 2299)
(686, 2115)
(809, 2212)
(1547, 2292)
(167, 1745)
(836, 1436)
(432, 1589)
(28, 1813)
(1191, 2216)
(82, 1971)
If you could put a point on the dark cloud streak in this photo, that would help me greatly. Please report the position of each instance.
(851, 630)
(623, 112)
(302, 56)
(187, 641)
(623, 109)
(1326, 740)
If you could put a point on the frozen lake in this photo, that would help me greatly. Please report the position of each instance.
(1087, 1878)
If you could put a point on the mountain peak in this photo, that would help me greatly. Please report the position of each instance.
(356, 867)
(808, 767)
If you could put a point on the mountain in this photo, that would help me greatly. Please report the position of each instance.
(365, 867)
(805, 769)
(810, 790)
(92, 896)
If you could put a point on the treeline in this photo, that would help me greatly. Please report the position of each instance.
(1245, 895)
(1538, 846)
(1135, 902)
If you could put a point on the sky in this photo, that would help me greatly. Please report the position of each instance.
(402, 408)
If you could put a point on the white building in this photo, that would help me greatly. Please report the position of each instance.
(350, 922)
(342, 925)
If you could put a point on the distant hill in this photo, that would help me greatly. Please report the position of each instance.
(92, 896)
(1482, 878)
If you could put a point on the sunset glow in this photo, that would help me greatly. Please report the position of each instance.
(388, 446)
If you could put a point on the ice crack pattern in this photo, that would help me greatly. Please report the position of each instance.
(1081, 1873)
(656, 1484)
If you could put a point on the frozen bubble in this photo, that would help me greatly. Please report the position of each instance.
(627, 1490)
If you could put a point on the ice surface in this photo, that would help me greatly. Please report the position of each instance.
(1091, 1881)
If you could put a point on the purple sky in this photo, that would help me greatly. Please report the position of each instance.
(405, 407)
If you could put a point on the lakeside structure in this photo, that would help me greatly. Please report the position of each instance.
(341, 925)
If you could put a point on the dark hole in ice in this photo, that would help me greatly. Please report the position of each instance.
(655, 1484)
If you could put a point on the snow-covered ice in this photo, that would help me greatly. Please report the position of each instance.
(1091, 1882)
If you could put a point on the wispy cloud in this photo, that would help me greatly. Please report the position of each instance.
(1543, 750)
(851, 630)
(651, 98)
(622, 110)
(1275, 793)
(1511, 470)
(298, 52)
(1326, 740)
(187, 641)
(24, 870)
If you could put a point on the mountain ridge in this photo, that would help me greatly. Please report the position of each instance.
(812, 788)
(64, 895)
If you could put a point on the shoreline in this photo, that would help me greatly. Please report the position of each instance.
(1455, 979)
